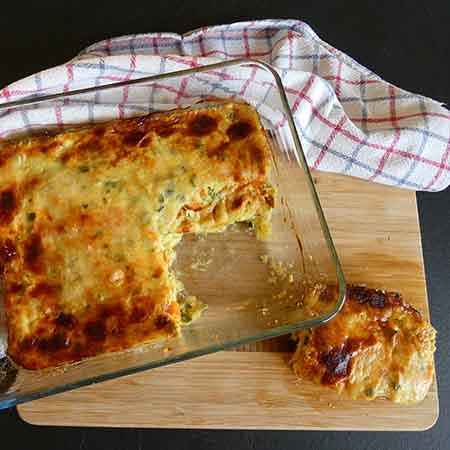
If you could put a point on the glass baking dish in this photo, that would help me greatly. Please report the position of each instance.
(254, 289)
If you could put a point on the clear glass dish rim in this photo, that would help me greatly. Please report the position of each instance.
(270, 333)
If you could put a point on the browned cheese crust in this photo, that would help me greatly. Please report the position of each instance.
(90, 217)
(377, 346)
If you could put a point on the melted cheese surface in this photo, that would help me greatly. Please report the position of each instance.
(89, 220)
(376, 346)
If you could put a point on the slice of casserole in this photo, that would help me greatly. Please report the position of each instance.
(376, 346)
(89, 219)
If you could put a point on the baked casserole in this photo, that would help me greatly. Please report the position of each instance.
(90, 218)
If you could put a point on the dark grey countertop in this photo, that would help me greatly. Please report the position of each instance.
(405, 42)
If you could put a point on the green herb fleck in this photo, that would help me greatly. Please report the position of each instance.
(212, 193)
(111, 183)
(193, 181)
(369, 392)
(185, 317)
(31, 216)
(161, 198)
(119, 257)
(396, 387)
(84, 205)
(191, 309)
(52, 272)
(83, 169)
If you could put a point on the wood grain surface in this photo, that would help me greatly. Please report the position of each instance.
(377, 235)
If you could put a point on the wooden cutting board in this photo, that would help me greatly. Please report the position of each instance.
(377, 235)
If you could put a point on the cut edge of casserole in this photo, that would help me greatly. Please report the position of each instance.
(377, 346)
(90, 217)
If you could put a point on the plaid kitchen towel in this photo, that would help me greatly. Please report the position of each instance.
(349, 120)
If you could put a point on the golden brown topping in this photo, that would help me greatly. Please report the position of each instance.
(165, 130)
(158, 272)
(237, 202)
(270, 200)
(8, 205)
(5, 154)
(132, 139)
(143, 308)
(377, 346)
(30, 184)
(374, 298)
(96, 330)
(239, 130)
(162, 321)
(44, 289)
(7, 251)
(65, 320)
(89, 232)
(33, 252)
(218, 151)
(53, 343)
(202, 124)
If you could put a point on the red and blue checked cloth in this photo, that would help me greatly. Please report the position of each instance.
(349, 120)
